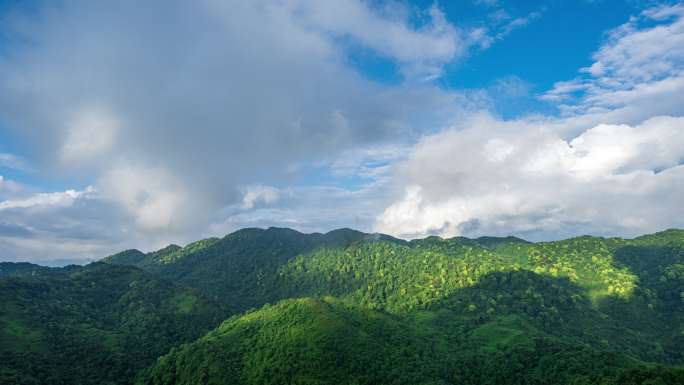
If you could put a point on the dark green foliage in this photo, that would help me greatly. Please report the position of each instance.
(372, 310)
(327, 341)
(24, 269)
(98, 324)
(301, 341)
(234, 268)
(20, 269)
(127, 257)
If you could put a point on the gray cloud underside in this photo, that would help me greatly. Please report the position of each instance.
(194, 120)
(172, 108)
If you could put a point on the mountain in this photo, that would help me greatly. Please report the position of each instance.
(229, 269)
(25, 269)
(327, 341)
(98, 324)
(347, 307)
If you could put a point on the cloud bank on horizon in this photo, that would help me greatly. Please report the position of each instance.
(136, 125)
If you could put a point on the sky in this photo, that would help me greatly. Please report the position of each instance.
(134, 124)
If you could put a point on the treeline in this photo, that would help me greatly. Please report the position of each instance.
(328, 341)
(377, 310)
(98, 324)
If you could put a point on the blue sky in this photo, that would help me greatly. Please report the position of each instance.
(548, 49)
(126, 125)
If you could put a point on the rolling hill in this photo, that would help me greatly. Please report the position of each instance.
(98, 324)
(347, 307)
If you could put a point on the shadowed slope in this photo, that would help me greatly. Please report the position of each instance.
(97, 324)
(531, 335)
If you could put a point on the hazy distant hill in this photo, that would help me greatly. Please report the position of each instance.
(354, 308)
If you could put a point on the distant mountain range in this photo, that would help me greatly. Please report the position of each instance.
(277, 306)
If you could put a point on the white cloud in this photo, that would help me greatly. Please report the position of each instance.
(52, 251)
(259, 194)
(656, 144)
(500, 25)
(518, 22)
(58, 227)
(307, 208)
(187, 116)
(9, 188)
(74, 226)
(13, 162)
(508, 177)
(638, 72)
(367, 162)
(564, 90)
(155, 198)
(43, 200)
(171, 107)
(421, 51)
(634, 54)
(90, 135)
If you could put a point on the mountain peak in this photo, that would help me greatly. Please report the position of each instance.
(126, 257)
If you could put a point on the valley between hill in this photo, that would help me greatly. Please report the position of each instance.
(277, 306)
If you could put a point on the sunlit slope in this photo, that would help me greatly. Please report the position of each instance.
(586, 310)
(376, 310)
(328, 341)
(344, 260)
(635, 285)
(299, 341)
(228, 269)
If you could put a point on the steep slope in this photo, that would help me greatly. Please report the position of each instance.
(326, 341)
(641, 294)
(298, 341)
(585, 310)
(377, 310)
(229, 269)
(631, 287)
(98, 324)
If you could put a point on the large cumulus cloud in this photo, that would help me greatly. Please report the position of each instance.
(171, 108)
(610, 163)
(172, 120)
(510, 177)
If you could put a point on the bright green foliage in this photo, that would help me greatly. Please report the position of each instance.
(371, 310)
(234, 269)
(303, 341)
(327, 341)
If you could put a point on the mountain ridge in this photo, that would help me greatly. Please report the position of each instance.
(485, 310)
(481, 239)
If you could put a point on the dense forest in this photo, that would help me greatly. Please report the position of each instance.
(277, 306)
(98, 324)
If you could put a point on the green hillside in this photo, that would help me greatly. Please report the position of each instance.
(327, 341)
(228, 269)
(98, 324)
(352, 308)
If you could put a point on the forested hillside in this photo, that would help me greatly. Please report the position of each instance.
(98, 324)
(352, 308)
(327, 341)
(230, 269)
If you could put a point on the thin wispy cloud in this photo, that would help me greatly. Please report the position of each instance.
(13, 162)
(637, 71)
